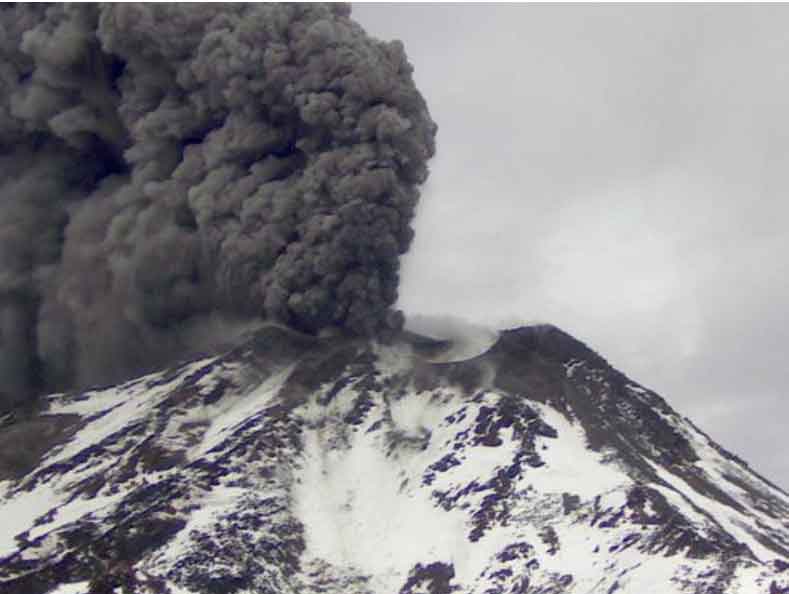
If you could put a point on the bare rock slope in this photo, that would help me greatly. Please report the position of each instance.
(301, 465)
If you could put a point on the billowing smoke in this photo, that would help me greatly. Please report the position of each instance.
(168, 169)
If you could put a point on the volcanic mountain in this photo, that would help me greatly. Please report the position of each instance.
(296, 464)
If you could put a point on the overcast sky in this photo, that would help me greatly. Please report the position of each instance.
(621, 172)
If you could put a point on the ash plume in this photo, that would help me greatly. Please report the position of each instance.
(170, 169)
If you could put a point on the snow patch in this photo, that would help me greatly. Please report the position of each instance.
(723, 514)
(570, 467)
(74, 510)
(20, 512)
(73, 588)
(339, 498)
(218, 502)
(571, 366)
(343, 484)
(229, 412)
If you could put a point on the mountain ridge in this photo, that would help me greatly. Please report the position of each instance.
(295, 463)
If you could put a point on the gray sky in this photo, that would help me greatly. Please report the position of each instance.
(619, 171)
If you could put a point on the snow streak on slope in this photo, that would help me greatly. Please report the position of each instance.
(298, 465)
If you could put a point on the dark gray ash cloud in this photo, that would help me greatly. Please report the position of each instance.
(168, 169)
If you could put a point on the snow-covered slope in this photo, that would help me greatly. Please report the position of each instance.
(302, 465)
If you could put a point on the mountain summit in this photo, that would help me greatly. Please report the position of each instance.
(294, 464)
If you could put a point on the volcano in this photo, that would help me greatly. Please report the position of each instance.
(297, 464)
